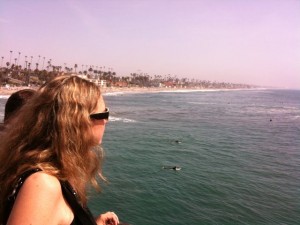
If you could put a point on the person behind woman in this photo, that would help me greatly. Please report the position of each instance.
(48, 156)
(14, 104)
(16, 101)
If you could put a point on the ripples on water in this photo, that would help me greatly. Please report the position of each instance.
(239, 153)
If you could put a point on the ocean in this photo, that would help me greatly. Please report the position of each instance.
(239, 154)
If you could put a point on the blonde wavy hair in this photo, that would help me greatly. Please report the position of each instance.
(53, 132)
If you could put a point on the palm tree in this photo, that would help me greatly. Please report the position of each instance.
(49, 63)
(43, 62)
(25, 62)
(2, 60)
(10, 57)
(90, 70)
(75, 66)
(19, 57)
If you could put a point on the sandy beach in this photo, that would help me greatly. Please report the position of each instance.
(111, 90)
(10, 90)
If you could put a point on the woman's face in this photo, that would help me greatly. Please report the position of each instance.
(99, 125)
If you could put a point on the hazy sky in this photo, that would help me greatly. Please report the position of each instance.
(240, 41)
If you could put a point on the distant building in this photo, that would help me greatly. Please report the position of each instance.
(121, 84)
(168, 84)
(81, 76)
(15, 81)
(101, 83)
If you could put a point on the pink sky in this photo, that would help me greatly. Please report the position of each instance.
(254, 42)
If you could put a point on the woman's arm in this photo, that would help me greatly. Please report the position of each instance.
(40, 201)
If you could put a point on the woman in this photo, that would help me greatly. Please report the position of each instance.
(48, 154)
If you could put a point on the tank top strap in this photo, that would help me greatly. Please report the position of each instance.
(82, 214)
(21, 180)
(13, 195)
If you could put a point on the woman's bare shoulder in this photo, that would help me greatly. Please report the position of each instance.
(39, 200)
(43, 182)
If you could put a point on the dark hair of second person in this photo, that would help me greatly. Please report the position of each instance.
(16, 101)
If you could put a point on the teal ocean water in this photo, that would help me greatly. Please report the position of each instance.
(239, 152)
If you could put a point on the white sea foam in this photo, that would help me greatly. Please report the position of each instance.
(118, 119)
(202, 103)
(170, 90)
(272, 110)
(195, 90)
(210, 90)
(113, 93)
(4, 96)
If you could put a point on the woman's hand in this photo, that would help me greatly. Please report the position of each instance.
(108, 218)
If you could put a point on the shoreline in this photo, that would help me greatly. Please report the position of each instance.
(133, 90)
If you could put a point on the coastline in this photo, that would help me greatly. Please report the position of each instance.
(5, 92)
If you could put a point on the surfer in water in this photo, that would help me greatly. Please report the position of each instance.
(171, 167)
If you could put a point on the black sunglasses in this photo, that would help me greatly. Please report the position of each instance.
(101, 116)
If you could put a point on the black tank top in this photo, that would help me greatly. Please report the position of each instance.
(82, 215)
